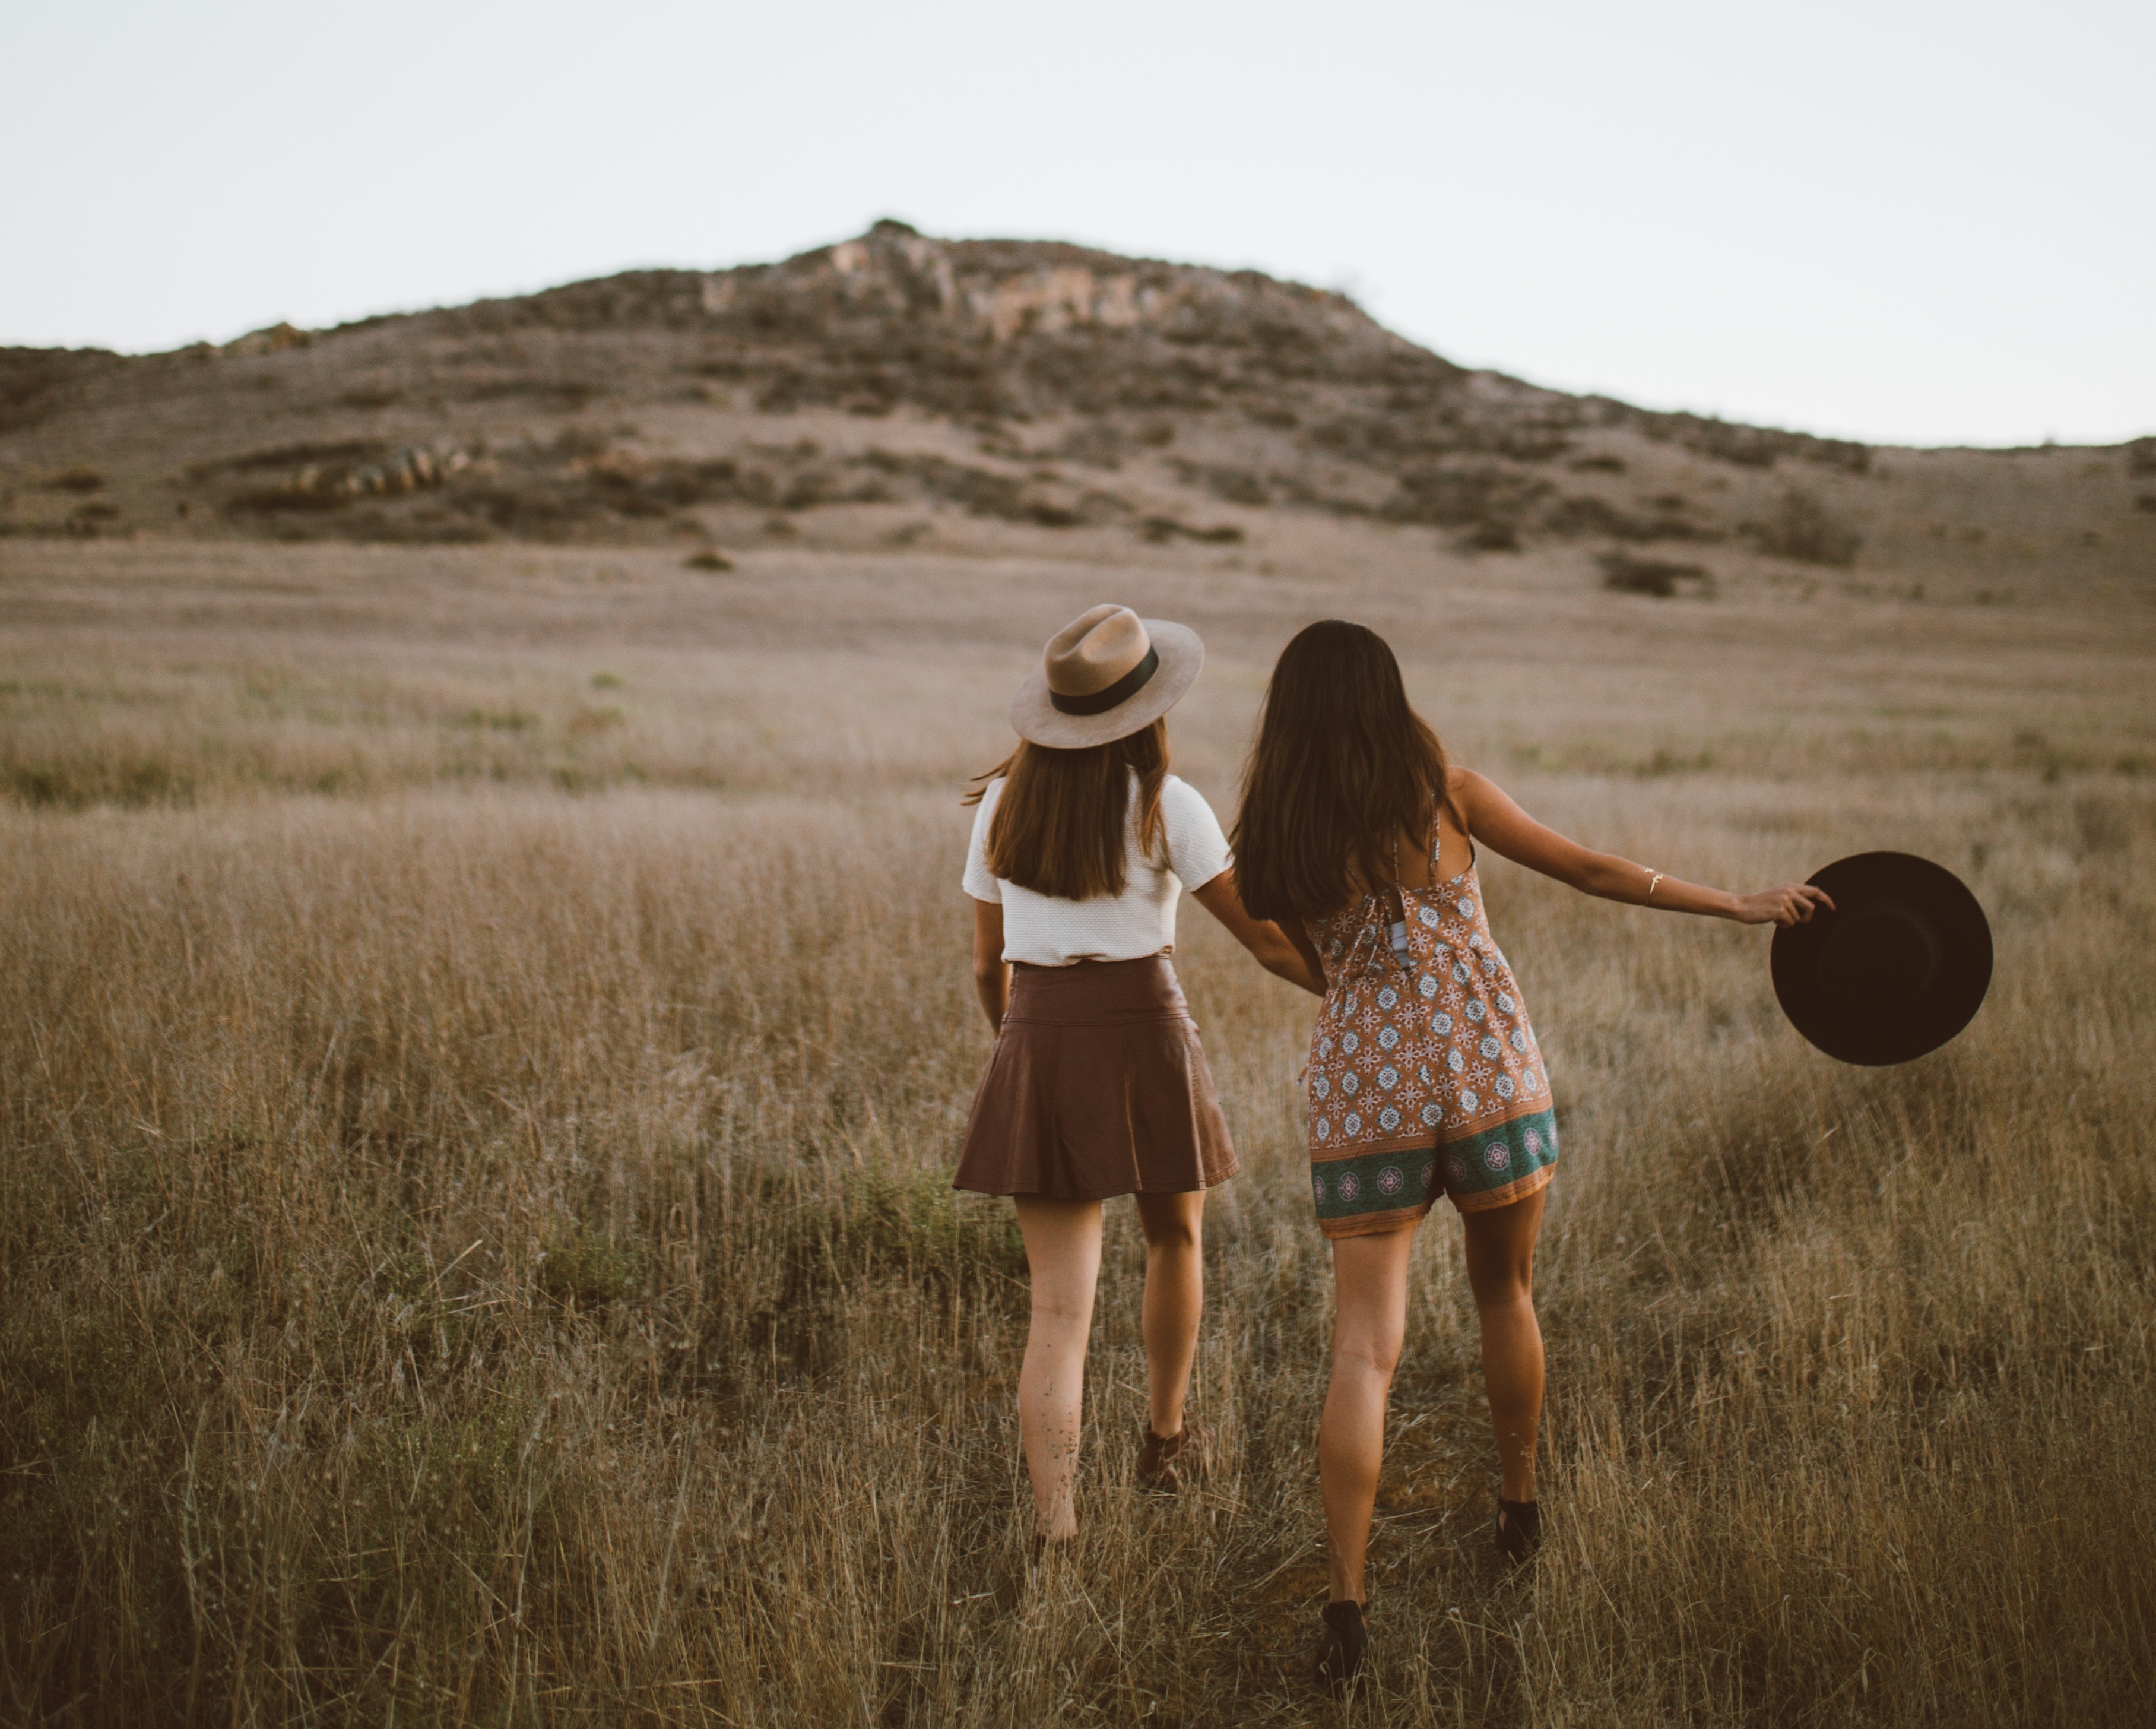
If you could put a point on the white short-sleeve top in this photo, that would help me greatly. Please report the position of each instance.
(1042, 930)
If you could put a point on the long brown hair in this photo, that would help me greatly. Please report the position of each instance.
(1342, 766)
(1059, 826)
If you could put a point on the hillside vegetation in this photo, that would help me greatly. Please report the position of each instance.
(898, 389)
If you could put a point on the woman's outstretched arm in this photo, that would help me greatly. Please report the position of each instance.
(1268, 943)
(1502, 826)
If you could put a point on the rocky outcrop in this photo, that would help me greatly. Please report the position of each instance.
(330, 477)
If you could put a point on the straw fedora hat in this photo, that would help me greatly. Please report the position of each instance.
(1899, 968)
(1107, 674)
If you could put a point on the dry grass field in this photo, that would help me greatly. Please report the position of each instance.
(485, 1032)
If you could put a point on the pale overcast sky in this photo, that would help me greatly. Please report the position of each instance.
(1911, 222)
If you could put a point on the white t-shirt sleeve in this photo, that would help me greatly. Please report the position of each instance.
(976, 880)
(1197, 851)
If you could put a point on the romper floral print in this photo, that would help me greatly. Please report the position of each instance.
(1424, 1075)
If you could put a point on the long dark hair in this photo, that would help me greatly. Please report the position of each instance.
(1059, 826)
(1342, 767)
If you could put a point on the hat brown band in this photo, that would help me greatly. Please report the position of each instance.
(1121, 690)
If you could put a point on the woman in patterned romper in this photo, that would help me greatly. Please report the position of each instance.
(1424, 1075)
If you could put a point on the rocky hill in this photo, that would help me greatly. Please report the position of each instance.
(895, 387)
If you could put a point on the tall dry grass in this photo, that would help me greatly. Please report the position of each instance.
(489, 1259)
(476, 1251)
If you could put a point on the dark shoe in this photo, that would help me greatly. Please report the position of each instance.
(1340, 1652)
(1158, 1457)
(1519, 1528)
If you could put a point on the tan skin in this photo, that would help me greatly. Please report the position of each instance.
(1370, 1273)
(1063, 1250)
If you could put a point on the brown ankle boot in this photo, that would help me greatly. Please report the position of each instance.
(1158, 1458)
(1519, 1529)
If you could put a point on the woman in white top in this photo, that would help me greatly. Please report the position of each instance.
(1097, 1086)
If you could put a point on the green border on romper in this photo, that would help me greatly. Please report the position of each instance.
(1495, 1158)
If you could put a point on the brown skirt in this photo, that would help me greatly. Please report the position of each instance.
(1097, 1086)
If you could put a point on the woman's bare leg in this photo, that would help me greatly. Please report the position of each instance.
(1500, 1268)
(1063, 1262)
(1370, 1285)
(1174, 1228)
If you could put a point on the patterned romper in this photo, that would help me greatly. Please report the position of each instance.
(1425, 1076)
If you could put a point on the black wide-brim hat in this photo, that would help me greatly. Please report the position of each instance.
(1899, 968)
